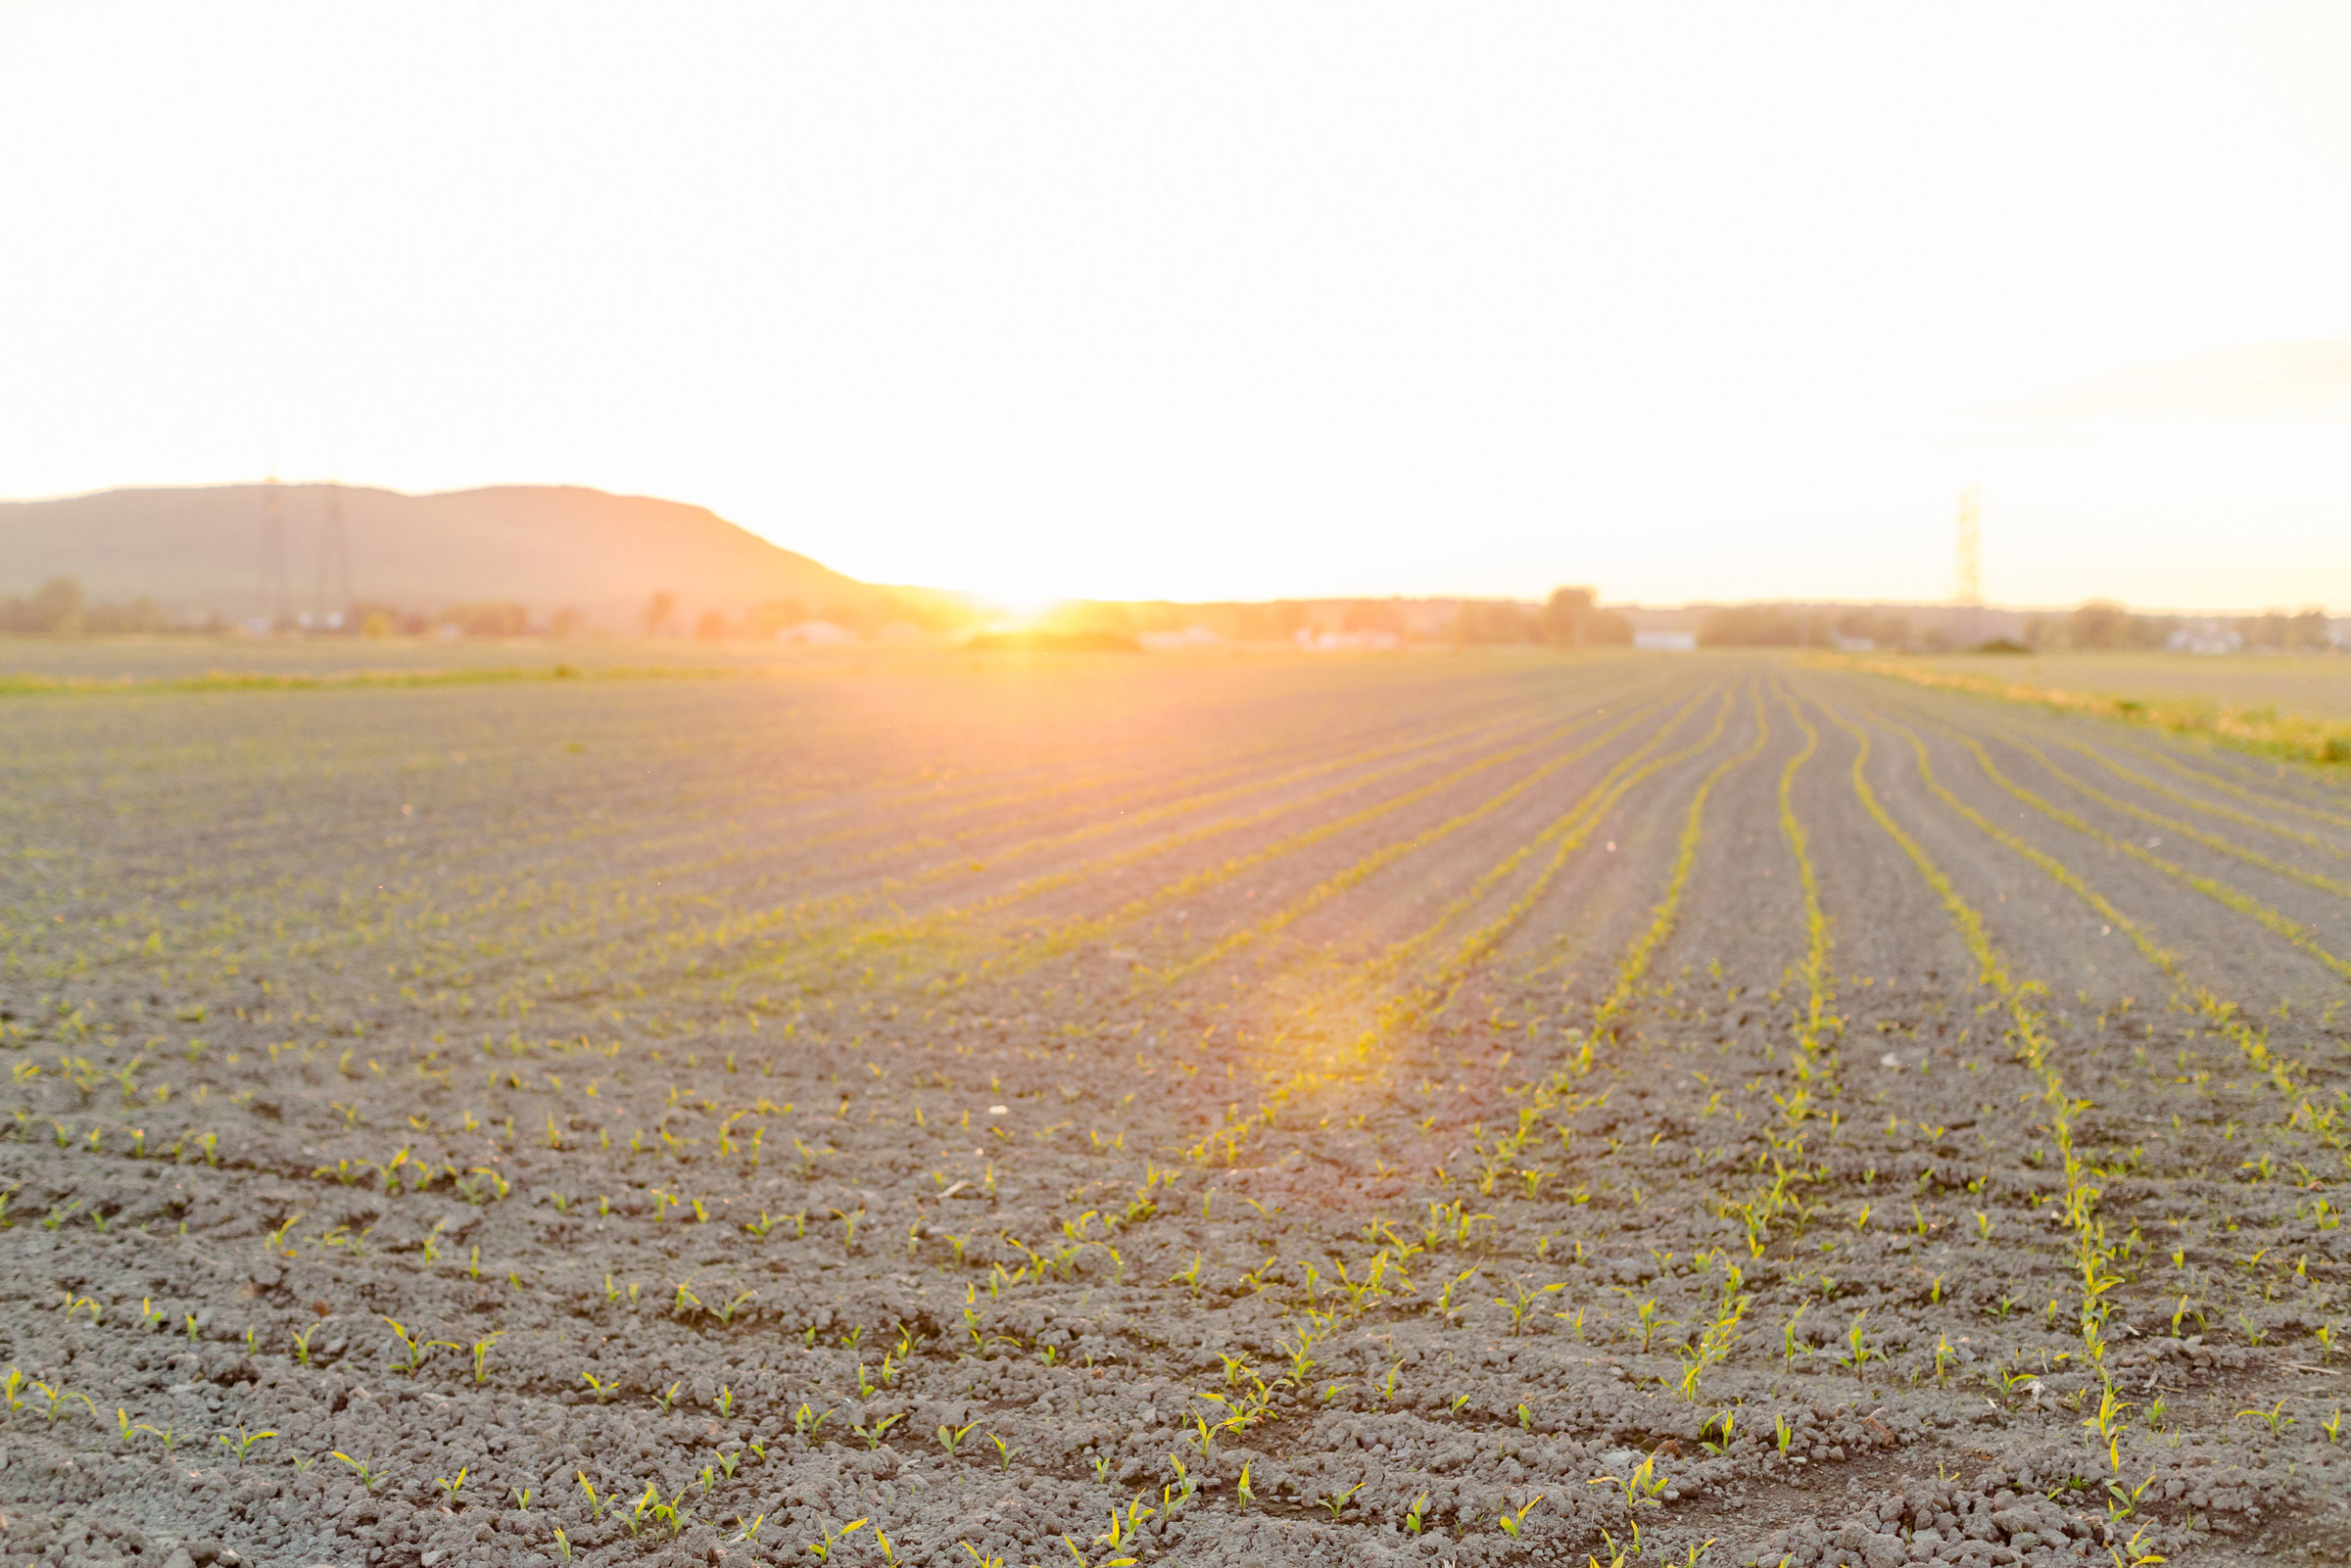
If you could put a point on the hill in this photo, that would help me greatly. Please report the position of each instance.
(197, 553)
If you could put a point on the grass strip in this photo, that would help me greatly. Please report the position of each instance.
(2263, 731)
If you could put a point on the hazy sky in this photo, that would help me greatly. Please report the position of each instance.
(1187, 302)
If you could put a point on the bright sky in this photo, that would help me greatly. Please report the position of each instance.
(1189, 302)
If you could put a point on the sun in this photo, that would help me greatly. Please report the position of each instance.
(1026, 606)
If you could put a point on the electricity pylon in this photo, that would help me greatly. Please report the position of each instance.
(1971, 546)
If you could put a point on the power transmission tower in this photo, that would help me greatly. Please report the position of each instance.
(334, 560)
(274, 554)
(1971, 550)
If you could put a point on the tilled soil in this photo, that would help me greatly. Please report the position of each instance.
(1471, 1110)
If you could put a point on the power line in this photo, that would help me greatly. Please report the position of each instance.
(334, 558)
(273, 589)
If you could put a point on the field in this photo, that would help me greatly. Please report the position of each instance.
(2312, 686)
(1254, 1111)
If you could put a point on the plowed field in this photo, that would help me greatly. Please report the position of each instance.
(1425, 1109)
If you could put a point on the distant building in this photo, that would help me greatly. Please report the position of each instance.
(816, 633)
(2205, 635)
(1346, 642)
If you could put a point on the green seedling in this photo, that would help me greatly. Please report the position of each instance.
(58, 1397)
(734, 1305)
(1859, 1354)
(122, 1421)
(952, 1438)
(1412, 1517)
(1125, 1526)
(241, 1444)
(481, 1357)
(1336, 1500)
(1004, 1453)
(2275, 1418)
(1783, 1434)
(1512, 1523)
(595, 1504)
(522, 1497)
(603, 1389)
(1243, 1490)
(2122, 1502)
(1387, 1385)
(2333, 1428)
(821, 1550)
(805, 1422)
(1445, 1308)
(666, 1400)
(413, 1349)
(1521, 1302)
(874, 1434)
(170, 1439)
(562, 1543)
(1640, 1489)
(368, 1475)
(448, 1486)
(636, 1516)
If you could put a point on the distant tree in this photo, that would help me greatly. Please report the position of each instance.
(1372, 615)
(1488, 622)
(1573, 618)
(1565, 616)
(659, 611)
(775, 614)
(55, 606)
(1752, 626)
(566, 622)
(710, 626)
(503, 618)
(2099, 624)
(140, 615)
(2311, 629)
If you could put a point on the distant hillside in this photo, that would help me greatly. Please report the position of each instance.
(199, 553)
